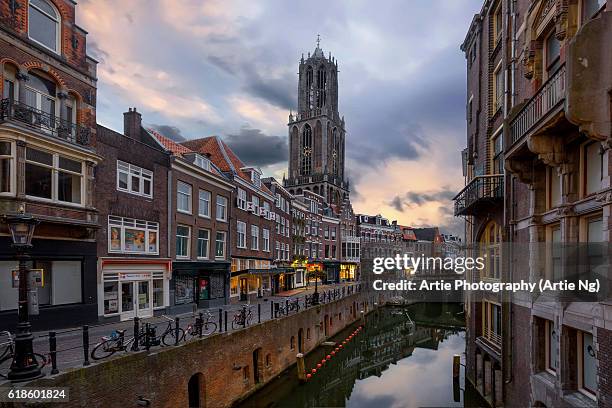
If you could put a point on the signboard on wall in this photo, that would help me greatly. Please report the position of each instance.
(35, 276)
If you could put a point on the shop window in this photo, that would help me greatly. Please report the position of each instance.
(44, 24)
(183, 234)
(183, 289)
(53, 177)
(220, 245)
(111, 297)
(134, 179)
(592, 167)
(221, 208)
(183, 197)
(233, 286)
(203, 243)
(6, 167)
(127, 235)
(587, 364)
(158, 293)
(204, 203)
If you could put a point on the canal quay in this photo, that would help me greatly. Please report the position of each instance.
(402, 356)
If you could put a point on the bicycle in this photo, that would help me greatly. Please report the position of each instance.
(206, 326)
(168, 337)
(243, 317)
(8, 354)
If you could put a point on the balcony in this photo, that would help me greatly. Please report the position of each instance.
(545, 103)
(43, 122)
(481, 192)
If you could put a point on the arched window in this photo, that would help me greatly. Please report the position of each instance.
(44, 24)
(40, 94)
(309, 90)
(306, 154)
(335, 150)
(490, 242)
(321, 85)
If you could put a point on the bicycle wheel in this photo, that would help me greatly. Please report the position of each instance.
(104, 349)
(168, 339)
(209, 328)
(5, 365)
(236, 324)
(249, 319)
(42, 360)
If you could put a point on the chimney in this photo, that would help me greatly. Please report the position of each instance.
(132, 122)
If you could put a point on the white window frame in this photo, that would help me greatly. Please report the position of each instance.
(188, 194)
(265, 240)
(12, 168)
(55, 169)
(123, 223)
(224, 234)
(58, 27)
(221, 201)
(241, 241)
(549, 327)
(580, 366)
(255, 237)
(202, 162)
(206, 200)
(241, 199)
(132, 170)
(207, 253)
(188, 236)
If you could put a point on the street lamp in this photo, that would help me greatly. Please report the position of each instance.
(24, 366)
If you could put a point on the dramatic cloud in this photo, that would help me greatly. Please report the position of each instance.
(230, 68)
(257, 149)
(171, 132)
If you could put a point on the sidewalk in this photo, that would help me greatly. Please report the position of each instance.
(70, 352)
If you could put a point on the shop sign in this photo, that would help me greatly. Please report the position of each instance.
(35, 276)
(135, 276)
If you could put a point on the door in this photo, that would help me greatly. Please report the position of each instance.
(243, 288)
(144, 299)
(136, 299)
(127, 300)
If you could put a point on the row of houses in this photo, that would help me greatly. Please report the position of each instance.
(133, 223)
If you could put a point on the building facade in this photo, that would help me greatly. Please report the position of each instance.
(537, 173)
(47, 158)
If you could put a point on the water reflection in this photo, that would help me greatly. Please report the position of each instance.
(402, 358)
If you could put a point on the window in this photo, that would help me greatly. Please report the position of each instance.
(256, 178)
(202, 162)
(158, 293)
(6, 167)
(221, 208)
(242, 199)
(490, 242)
(204, 203)
(266, 240)
(183, 234)
(127, 235)
(333, 233)
(491, 323)
(53, 177)
(591, 7)
(592, 167)
(498, 157)
(554, 187)
(241, 228)
(497, 24)
(234, 286)
(184, 289)
(255, 202)
(306, 153)
(44, 24)
(220, 245)
(551, 347)
(498, 88)
(587, 368)
(254, 237)
(183, 197)
(134, 180)
(553, 53)
(203, 243)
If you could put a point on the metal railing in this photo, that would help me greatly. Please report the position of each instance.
(549, 96)
(492, 338)
(489, 187)
(44, 122)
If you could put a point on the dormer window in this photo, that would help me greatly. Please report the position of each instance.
(44, 24)
(202, 162)
(255, 178)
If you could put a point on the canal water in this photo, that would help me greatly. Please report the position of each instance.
(402, 357)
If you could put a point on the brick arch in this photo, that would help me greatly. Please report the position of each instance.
(30, 65)
(8, 60)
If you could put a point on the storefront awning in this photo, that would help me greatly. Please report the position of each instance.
(254, 271)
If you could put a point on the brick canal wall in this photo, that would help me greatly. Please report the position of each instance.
(222, 366)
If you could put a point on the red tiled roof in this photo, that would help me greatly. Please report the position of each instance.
(169, 144)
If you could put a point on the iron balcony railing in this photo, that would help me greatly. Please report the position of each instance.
(11, 110)
(550, 95)
(480, 189)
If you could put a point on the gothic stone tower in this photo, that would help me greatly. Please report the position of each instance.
(316, 132)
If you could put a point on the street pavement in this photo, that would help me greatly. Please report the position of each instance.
(70, 351)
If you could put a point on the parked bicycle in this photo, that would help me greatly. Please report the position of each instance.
(243, 317)
(168, 337)
(7, 353)
(206, 326)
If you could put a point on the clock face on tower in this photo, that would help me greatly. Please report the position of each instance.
(307, 151)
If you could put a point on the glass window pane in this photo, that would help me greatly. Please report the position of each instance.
(39, 156)
(5, 175)
(69, 187)
(70, 165)
(589, 378)
(42, 28)
(111, 297)
(123, 180)
(158, 292)
(134, 240)
(38, 181)
(45, 7)
(152, 242)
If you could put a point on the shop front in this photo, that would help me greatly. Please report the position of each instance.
(348, 272)
(199, 284)
(299, 267)
(133, 287)
(252, 283)
(332, 270)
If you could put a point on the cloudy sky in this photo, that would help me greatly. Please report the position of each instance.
(196, 68)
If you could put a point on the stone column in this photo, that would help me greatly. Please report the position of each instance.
(62, 95)
(22, 77)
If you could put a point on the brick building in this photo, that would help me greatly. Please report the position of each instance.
(251, 218)
(379, 238)
(537, 172)
(200, 227)
(134, 261)
(47, 157)
(349, 243)
(299, 211)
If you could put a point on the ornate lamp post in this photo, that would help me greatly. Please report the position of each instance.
(24, 366)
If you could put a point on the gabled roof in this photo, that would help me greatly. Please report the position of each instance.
(426, 234)
(168, 143)
(222, 156)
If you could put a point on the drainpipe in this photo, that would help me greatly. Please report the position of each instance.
(169, 228)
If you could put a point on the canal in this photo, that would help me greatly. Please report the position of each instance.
(402, 357)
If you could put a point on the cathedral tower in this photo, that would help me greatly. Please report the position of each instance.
(316, 131)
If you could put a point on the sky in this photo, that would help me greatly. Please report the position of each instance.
(197, 68)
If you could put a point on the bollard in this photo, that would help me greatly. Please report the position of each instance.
(225, 321)
(220, 320)
(456, 365)
(301, 367)
(147, 334)
(53, 352)
(259, 313)
(86, 345)
(287, 307)
(271, 310)
(136, 334)
(176, 331)
(200, 323)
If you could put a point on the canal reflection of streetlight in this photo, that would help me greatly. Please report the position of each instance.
(24, 366)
